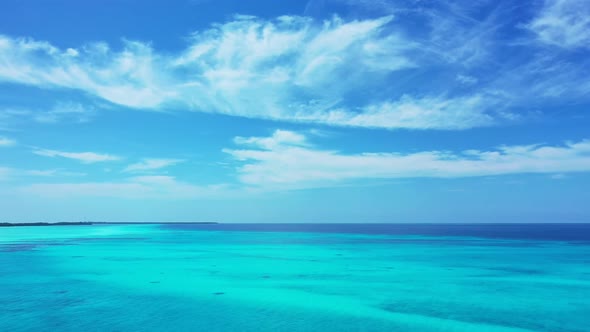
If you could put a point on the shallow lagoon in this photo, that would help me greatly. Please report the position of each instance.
(252, 278)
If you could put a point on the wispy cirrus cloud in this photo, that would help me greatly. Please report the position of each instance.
(139, 187)
(61, 111)
(9, 173)
(289, 69)
(223, 59)
(125, 77)
(84, 157)
(460, 70)
(563, 23)
(5, 142)
(289, 164)
(50, 173)
(151, 164)
(411, 113)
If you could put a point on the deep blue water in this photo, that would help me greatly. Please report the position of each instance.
(557, 232)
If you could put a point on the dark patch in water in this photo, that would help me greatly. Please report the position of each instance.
(69, 302)
(60, 292)
(218, 293)
(155, 282)
(17, 247)
(265, 277)
(516, 270)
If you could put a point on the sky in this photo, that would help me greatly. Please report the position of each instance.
(295, 111)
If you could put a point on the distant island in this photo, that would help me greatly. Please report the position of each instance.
(87, 223)
(79, 223)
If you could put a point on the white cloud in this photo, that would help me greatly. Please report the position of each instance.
(85, 157)
(287, 160)
(4, 142)
(278, 139)
(62, 111)
(287, 165)
(150, 164)
(7, 173)
(466, 79)
(463, 32)
(141, 187)
(127, 77)
(375, 73)
(558, 176)
(290, 69)
(425, 113)
(51, 173)
(564, 23)
(543, 79)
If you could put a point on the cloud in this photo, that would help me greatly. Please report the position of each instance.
(545, 78)
(64, 111)
(289, 160)
(425, 113)
(150, 164)
(60, 112)
(377, 72)
(558, 176)
(126, 77)
(563, 23)
(85, 157)
(288, 165)
(51, 173)
(278, 139)
(290, 69)
(466, 79)
(7, 173)
(140, 187)
(5, 142)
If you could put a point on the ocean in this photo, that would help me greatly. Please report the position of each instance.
(295, 277)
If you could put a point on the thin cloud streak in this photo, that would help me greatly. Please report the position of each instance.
(150, 164)
(84, 157)
(139, 187)
(284, 165)
(6, 142)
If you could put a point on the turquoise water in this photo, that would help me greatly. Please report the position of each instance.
(163, 278)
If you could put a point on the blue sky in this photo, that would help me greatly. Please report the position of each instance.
(295, 111)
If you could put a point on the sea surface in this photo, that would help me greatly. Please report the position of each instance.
(295, 277)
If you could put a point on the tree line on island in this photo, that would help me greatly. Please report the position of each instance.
(76, 223)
